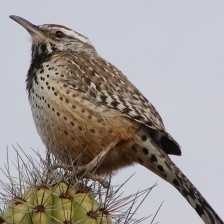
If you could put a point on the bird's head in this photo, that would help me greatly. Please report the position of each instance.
(48, 38)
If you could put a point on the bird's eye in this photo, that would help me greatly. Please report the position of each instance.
(59, 34)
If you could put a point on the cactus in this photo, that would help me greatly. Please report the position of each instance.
(61, 203)
(44, 194)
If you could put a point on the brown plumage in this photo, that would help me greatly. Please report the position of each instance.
(81, 104)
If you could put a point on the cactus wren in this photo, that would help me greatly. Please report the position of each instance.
(82, 104)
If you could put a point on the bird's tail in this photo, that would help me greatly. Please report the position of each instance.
(193, 196)
(152, 157)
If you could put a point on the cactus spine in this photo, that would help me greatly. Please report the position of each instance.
(46, 194)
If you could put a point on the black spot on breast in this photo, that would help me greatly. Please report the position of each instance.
(35, 80)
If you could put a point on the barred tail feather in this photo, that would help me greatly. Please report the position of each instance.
(155, 159)
(193, 196)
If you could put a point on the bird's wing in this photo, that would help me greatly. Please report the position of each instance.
(104, 84)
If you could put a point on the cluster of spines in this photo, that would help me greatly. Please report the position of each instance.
(44, 194)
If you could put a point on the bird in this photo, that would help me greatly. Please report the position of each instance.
(84, 107)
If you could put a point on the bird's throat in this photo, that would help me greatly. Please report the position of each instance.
(40, 54)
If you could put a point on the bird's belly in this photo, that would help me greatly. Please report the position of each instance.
(76, 131)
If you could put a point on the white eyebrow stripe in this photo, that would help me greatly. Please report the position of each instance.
(74, 34)
(67, 31)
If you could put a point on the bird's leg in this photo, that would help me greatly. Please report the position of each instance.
(96, 161)
(89, 170)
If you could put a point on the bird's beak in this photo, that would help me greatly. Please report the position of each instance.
(34, 30)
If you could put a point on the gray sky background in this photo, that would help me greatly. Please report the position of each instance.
(173, 51)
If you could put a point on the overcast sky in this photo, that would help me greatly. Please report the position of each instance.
(173, 51)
